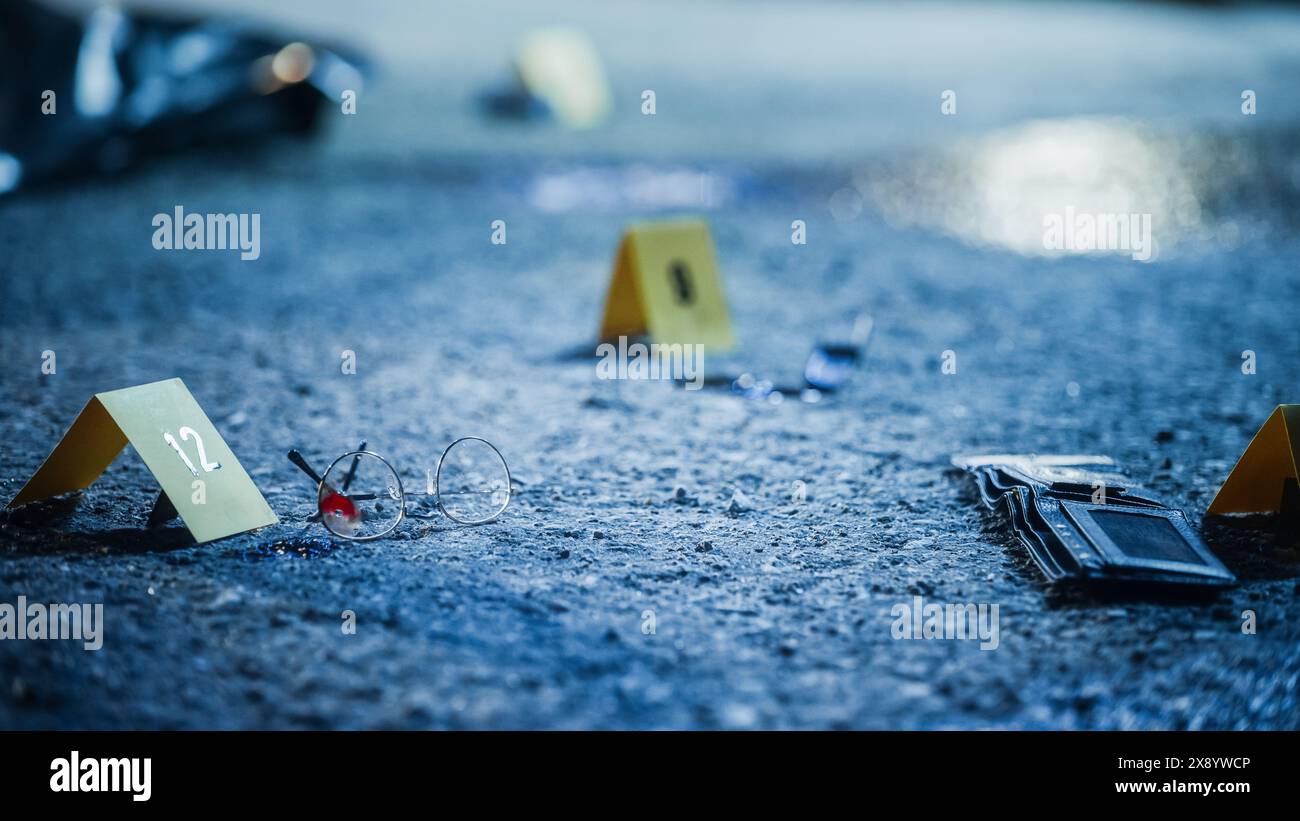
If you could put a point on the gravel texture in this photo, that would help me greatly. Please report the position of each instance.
(768, 613)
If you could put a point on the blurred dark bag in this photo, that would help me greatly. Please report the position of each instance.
(96, 94)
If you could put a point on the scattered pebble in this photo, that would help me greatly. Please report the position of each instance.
(739, 504)
(682, 497)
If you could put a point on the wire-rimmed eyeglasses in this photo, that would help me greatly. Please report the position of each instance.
(361, 496)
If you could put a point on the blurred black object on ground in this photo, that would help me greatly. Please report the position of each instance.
(129, 86)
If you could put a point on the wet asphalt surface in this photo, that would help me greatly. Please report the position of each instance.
(773, 614)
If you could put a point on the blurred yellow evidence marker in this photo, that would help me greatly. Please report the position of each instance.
(560, 67)
(1255, 484)
(196, 469)
(666, 285)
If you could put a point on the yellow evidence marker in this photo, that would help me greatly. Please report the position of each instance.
(1255, 485)
(560, 67)
(198, 473)
(666, 285)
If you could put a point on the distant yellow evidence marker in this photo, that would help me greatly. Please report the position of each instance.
(196, 469)
(666, 285)
(560, 67)
(1255, 484)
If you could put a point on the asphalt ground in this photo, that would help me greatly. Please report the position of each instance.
(376, 239)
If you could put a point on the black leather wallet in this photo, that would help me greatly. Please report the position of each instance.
(1081, 519)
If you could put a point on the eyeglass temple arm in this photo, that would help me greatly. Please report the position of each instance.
(352, 469)
(297, 459)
